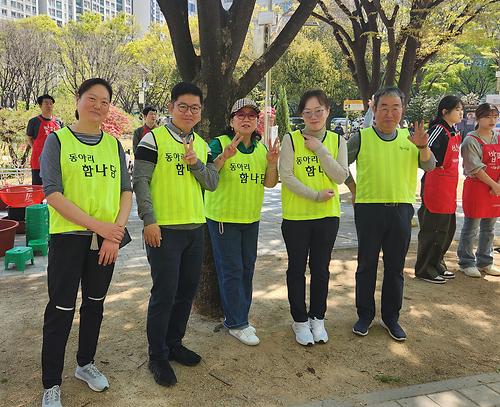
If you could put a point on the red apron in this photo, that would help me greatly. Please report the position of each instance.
(440, 185)
(46, 127)
(478, 202)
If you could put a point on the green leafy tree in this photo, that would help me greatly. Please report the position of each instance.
(282, 113)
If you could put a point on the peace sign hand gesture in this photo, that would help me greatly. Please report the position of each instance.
(419, 137)
(231, 149)
(274, 152)
(190, 157)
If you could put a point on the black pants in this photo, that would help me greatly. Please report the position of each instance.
(35, 177)
(175, 270)
(388, 228)
(313, 239)
(70, 262)
(434, 239)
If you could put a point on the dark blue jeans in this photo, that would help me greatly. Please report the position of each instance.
(388, 228)
(175, 270)
(235, 252)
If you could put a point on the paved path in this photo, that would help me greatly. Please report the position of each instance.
(270, 239)
(473, 391)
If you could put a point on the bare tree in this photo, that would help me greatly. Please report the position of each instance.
(27, 63)
(87, 52)
(413, 34)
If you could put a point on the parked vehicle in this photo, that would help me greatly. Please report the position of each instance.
(296, 123)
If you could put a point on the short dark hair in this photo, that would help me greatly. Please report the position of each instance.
(388, 91)
(314, 93)
(148, 109)
(40, 99)
(185, 88)
(89, 83)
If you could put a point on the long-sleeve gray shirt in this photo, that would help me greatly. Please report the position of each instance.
(354, 144)
(472, 153)
(146, 158)
(335, 169)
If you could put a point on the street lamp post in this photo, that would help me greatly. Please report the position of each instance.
(267, 103)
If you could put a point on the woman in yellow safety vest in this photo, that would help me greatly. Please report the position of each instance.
(313, 162)
(245, 167)
(88, 190)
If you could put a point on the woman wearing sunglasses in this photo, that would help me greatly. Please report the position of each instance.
(245, 167)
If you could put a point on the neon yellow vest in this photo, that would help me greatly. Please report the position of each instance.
(386, 171)
(240, 192)
(175, 192)
(307, 169)
(90, 177)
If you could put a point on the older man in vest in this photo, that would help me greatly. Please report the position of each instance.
(387, 158)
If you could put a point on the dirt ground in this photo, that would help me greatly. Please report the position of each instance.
(453, 330)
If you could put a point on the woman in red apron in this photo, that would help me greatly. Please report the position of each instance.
(481, 194)
(439, 194)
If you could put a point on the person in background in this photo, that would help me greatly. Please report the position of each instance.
(481, 194)
(149, 115)
(88, 190)
(233, 212)
(313, 162)
(38, 129)
(439, 194)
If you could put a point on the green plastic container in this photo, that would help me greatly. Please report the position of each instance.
(37, 222)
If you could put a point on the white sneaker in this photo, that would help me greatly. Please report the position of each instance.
(470, 271)
(318, 330)
(52, 397)
(91, 375)
(303, 334)
(491, 270)
(245, 335)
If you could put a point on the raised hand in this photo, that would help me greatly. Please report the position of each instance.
(419, 137)
(190, 157)
(311, 142)
(274, 152)
(231, 149)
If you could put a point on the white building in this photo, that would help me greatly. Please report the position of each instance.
(62, 11)
(147, 12)
(12, 9)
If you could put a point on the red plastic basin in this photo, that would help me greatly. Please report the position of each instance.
(7, 235)
(21, 196)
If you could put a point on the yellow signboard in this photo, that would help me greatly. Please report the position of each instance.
(353, 105)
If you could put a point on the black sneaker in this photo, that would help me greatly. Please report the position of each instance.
(361, 327)
(434, 280)
(162, 372)
(444, 272)
(184, 356)
(397, 333)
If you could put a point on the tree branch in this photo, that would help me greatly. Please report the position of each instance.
(277, 48)
(176, 16)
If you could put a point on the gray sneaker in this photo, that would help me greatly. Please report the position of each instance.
(52, 397)
(91, 375)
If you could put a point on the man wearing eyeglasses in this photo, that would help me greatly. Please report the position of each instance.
(173, 164)
(387, 159)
